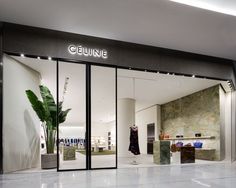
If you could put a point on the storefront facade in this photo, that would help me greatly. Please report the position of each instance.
(91, 51)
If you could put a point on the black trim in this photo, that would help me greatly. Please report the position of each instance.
(116, 124)
(1, 98)
(57, 140)
(88, 115)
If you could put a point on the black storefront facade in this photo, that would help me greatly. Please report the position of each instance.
(61, 46)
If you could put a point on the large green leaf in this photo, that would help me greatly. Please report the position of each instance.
(49, 104)
(37, 105)
(62, 115)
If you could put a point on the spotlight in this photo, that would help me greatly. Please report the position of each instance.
(49, 58)
(193, 76)
(38, 57)
(168, 73)
(22, 55)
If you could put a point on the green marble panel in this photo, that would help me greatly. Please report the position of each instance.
(195, 113)
(161, 152)
(164, 152)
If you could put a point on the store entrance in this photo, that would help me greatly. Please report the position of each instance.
(178, 119)
(110, 117)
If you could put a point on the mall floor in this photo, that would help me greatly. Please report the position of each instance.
(212, 175)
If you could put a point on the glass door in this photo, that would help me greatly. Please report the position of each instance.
(103, 117)
(72, 121)
(87, 109)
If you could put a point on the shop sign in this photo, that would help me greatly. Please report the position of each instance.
(87, 52)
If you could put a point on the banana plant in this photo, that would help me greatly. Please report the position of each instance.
(46, 111)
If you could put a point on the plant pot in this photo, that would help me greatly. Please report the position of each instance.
(48, 161)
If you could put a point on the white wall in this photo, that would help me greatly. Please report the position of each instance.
(228, 127)
(21, 126)
(144, 117)
(102, 129)
(72, 132)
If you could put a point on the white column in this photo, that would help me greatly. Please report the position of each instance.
(125, 119)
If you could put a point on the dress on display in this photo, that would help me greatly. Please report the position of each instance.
(134, 146)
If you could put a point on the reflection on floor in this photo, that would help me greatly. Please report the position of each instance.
(221, 175)
(106, 161)
(144, 160)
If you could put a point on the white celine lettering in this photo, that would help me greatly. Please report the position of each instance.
(84, 51)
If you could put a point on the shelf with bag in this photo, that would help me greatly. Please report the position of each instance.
(191, 138)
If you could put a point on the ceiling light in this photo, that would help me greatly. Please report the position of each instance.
(22, 55)
(49, 58)
(158, 72)
(168, 73)
(38, 57)
(130, 68)
(193, 76)
(212, 6)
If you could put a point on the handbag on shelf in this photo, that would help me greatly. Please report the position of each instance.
(197, 144)
(173, 148)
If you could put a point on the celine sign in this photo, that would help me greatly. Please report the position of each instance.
(84, 51)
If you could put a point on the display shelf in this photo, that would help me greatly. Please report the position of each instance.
(191, 138)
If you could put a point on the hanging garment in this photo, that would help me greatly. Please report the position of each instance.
(134, 146)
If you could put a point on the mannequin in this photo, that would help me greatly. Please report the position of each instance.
(134, 145)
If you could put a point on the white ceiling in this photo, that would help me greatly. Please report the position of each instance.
(152, 22)
(154, 88)
(147, 88)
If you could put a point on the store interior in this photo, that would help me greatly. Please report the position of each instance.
(180, 111)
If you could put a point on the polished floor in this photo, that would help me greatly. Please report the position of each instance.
(188, 176)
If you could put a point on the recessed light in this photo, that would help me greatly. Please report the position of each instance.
(168, 73)
(49, 58)
(22, 55)
(158, 72)
(38, 57)
(193, 76)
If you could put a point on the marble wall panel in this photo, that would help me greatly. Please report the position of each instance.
(195, 113)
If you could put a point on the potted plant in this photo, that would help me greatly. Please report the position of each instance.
(46, 111)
